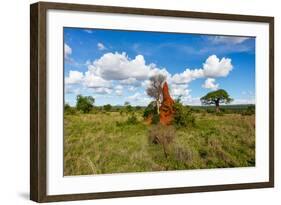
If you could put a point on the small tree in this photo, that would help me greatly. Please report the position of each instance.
(215, 98)
(107, 107)
(128, 107)
(151, 111)
(183, 116)
(154, 89)
(84, 103)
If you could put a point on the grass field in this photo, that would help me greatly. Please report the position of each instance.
(103, 142)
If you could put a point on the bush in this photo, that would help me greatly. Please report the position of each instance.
(132, 120)
(151, 111)
(250, 110)
(84, 103)
(209, 110)
(155, 119)
(121, 112)
(68, 110)
(163, 135)
(183, 115)
(138, 108)
(107, 107)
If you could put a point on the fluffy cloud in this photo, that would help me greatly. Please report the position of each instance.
(119, 90)
(88, 31)
(210, 83)
(114, 73)
(139, 99)
(130, 81)
(132, 88)
(67, 51)
(188, 100)
(213, 67)
(228, 39)
(187, 76)
(93, 81)
(102, 90)
(101, 46)
(179, 90)
(74, 77)
(135, 97)
(116, 66)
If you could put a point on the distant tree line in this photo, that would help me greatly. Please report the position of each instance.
(85, 104)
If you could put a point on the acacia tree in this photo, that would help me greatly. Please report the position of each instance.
(215, 98)
(154, 89)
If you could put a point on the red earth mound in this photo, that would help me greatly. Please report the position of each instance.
(166, 108)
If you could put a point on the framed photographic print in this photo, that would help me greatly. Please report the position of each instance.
(133, 102)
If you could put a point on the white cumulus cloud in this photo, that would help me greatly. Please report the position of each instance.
(93, 81)
(67, 51)
(132, 88)
(88, 31)
(214, 67)
(130, 81)
(74, 77)
(118, 66)
(113, 73)
(119, 90)
(228, 39)
(135, 97)
(101, 46)
(102, 90)
(210, 83)
(179, 90)
(187, 76)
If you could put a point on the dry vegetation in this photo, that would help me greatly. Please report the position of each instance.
(107, 142)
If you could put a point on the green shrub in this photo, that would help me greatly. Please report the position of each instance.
(183, 115)
(151, 110)
(155, 119)
(250, 110)
(138, 108)
(121, 112)
(132, 120)
(107, 107)
(68, 110)
(209, 110)
(84, 103)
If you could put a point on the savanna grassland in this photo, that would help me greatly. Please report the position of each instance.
(103, 142)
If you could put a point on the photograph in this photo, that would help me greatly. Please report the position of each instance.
(147, 101)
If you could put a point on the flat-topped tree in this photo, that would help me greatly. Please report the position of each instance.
(215, 98)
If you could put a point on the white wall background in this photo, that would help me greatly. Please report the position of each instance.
(14, 101)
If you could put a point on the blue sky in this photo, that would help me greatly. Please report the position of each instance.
(113, 66)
